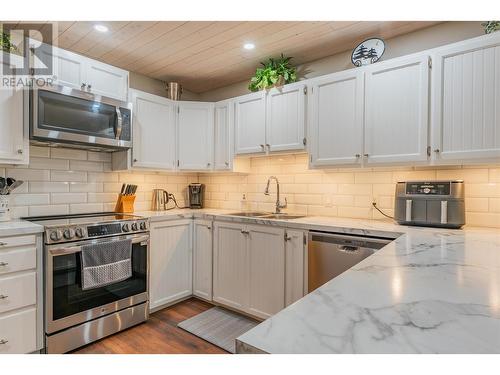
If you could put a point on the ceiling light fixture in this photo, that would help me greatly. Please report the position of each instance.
(101, 28)
(248, 46)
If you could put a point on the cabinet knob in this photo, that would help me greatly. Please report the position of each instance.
(4, 264)
(89, 87)
(208, 164)
(437, 150)
(366, 155)
(287, 238)
(3, 243)
(135, 160)
(262, 147)
(245, 231)
(3, 341)
(357, 156)
(83, 86)
(20, 151)
(3, 296)
(227, 164)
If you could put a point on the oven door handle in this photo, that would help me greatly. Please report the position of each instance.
(77, 249)
(119, 123)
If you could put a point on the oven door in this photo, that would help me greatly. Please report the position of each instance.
(63, 115)
(66, 304)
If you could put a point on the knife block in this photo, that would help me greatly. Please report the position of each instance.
(125, 204)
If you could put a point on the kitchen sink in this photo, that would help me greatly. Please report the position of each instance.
(267, 215)
(282, 216)
(249, 214)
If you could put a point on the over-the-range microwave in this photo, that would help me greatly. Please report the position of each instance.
(61, 115)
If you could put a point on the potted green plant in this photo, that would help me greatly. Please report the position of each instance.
(491, 26)
(275, 72)
(6, 44)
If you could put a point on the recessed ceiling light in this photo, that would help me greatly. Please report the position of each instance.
(101, 28)
(248, 46)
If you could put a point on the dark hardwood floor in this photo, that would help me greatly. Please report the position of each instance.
(159, 335)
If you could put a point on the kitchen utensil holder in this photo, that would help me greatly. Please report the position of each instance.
(4, 208)
(125, 204)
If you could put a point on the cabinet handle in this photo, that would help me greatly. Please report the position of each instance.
(209, 227)
(357, 156)
(262, 147)
(89, 87)
(3, 296)
(366, 155)
(3, 341)
(437, 151)
(245, 231)
(3, 243)
(3, 264)
(83, 86)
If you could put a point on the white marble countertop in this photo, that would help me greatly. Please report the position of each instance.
(18, 227)
(429, 291)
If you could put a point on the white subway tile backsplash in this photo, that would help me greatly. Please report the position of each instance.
(82, 208)
(99, 156)
(29, 199)
(46, 163)
(82, 165)
(48, 187)
(69, 176)
(102, 197)
(102, 177)
(28, 174)
(68, 153)
(84, 187)
(59, 209)
(61, 198)
(40, 152)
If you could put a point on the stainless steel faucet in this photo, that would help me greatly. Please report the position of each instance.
(279, 205)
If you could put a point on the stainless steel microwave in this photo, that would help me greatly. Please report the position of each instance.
(62, 115)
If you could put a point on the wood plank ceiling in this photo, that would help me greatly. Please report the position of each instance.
(207, 55)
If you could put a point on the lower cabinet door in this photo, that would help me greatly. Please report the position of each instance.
(266, 270)
(18, 332)
(202, 259)
(170, 262)
(294, 265)
(230, 265)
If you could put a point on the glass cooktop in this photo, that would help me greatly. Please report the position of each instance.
(91, 218)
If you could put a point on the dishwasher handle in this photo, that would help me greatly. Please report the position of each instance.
(354, 242)
(348, 249)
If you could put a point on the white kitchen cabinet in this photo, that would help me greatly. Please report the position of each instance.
(285, 118)
(396, 110)
(153, 124)
(266, 270)
(106, 80)
(230, 278)
(336, 119)
(18, 331)
(250, 123)
(170, 262)
(82, 73)
(202, 259)
(295, 255)
(14, 143)
(465, 100)
(223, 135)
(195, 135)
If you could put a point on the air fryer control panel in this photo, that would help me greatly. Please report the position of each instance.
(428, 188)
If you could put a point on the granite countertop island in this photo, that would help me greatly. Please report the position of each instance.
(429, 291)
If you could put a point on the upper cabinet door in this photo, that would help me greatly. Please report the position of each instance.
(396, 110)
(285, 118)
(153, 131)
(466, 99)
(69, 68)
(250, 123)
(195, 135)
(106, 80)
(336, 119)
(223, 146)
(13, 147)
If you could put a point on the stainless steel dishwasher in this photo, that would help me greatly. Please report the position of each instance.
(330, 254)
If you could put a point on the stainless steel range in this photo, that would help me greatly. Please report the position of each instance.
(76, 315)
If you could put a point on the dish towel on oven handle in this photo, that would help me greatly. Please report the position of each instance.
(106, 263)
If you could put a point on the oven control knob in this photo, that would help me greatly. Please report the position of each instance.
(143, 225)
(79, 232)
(56, 235)
(69, 233)
(125, 227)
(134, 226)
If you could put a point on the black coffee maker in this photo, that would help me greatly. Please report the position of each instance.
(196, 195)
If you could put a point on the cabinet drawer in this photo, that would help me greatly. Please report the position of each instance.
(17, 291)
(17, 259)
(18, 332)
(6, 242)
